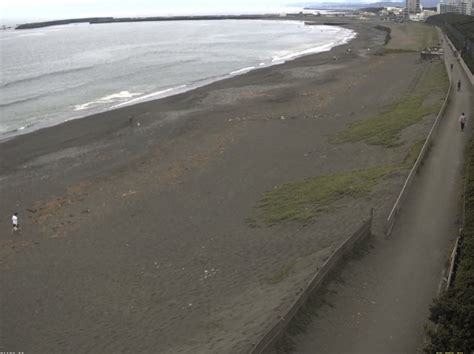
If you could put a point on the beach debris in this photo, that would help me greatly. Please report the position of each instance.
(126, 194)
(138, 124)
(208, 273)
(282, 117)
(31, 210)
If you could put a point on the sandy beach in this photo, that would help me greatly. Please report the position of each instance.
(137, 225)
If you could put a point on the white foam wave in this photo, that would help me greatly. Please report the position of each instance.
(146, 97)
(241, 71)
(106, 99)
(319, 49)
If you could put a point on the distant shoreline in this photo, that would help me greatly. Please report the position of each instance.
(172, 91)
(104, 20)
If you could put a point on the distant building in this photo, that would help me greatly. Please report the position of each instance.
(463, 7)
(467, 8)
(412, 7)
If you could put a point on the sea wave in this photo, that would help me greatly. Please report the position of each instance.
(147, 97)
(24, 100)
(106, 99)
(318, 49)
(49, 74)
(241, 71)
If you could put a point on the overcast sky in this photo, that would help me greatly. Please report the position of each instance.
(23, 9)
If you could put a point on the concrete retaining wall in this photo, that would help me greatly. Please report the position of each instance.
(454, 254)
(469, 75)
(278, 328)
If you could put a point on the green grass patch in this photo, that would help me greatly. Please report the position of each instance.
(412, 37)
(283, 273)
(385, 128)
(304, 200)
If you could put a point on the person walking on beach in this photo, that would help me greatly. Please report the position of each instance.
(462, 121)
(15, 223)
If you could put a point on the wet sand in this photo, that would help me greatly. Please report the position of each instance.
(135, 222)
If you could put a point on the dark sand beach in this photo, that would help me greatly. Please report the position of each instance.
(137, 229)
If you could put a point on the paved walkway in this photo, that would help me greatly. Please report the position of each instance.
(380, 302)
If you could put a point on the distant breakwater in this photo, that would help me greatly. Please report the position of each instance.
(103, 20)
(60, 22)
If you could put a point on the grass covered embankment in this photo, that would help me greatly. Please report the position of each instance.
(303, 200)
(385, 128)
(453, 313)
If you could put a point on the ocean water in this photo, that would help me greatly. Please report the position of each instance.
(50, 75)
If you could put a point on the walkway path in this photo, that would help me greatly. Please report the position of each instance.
(380, 302)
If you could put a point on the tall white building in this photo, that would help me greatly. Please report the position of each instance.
(413, 6)
(467, 9)
(463, 7)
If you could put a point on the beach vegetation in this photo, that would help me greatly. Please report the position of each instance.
(412, 36)
(282, 273)
(304, 200)
(385, 127)
(387, 30)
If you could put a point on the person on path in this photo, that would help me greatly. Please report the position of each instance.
(459, 85)
(462, 121)
(452, 66)
(15, 223)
